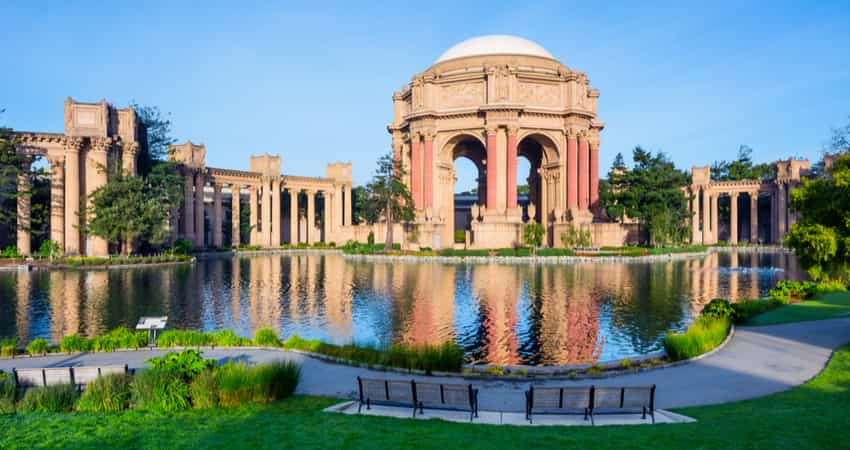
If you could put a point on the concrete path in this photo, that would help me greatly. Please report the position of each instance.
(758, 361)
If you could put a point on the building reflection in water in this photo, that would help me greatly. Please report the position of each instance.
(499, 313)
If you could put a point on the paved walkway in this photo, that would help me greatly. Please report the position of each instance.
(758, 361)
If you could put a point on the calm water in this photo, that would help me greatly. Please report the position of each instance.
(501, 314)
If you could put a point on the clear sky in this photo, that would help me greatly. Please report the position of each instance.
(313, 81)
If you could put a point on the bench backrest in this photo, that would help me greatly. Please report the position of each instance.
(444, 394)
(561, 397)
(64, 375)
(624, 397)
(386, 390)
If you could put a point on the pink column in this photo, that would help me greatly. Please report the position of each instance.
(583, 172)
(492, 181)
(415, 174)
(429, 171)
(572, 172)
(594, 177)
(512, 202)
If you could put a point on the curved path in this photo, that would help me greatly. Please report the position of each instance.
(758, 361)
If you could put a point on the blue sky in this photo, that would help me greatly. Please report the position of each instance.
(313, 81)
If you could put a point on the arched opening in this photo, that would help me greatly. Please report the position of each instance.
(530, 155)
(468, 157)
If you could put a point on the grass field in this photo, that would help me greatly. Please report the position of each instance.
(826, 306)
(811, 416)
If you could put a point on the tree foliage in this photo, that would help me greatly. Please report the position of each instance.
(388, 196)
(651, 193)
(821, 238)
(742, 168)
(532, 234)
(155, 138)
(12, 165)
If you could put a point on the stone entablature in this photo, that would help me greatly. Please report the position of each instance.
(493, 108)
(704, 195)
(97, 136)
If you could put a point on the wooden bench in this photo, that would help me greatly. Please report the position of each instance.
(558, 400)
(417, 395)
(624, 399)
(590, 400)
(79, 376)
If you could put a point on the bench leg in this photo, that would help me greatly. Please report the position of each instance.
(368, 404)
(592, 423)
(585, 413)
(421, 408)
(359, 407)
(643, 416)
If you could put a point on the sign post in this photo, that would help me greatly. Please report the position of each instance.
(152, 324)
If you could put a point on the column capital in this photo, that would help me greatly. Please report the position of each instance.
(429, 134)
(72, 144)
(734, 194)
(513, 129)
(101, 144)
(56, 161)
(217, 187)
(491, 129)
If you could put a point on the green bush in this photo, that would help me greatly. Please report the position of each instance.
(239, 384)
(234, 384)
(702, 336)
(194, 338)
(266, 337)
(8, 346)
(460, 236)
(119, 338)
(73, 343)
(227, 338)
(523, 251)
(56, 398)
(8, 394)
(108, 393)
(10, 252)
(38, 346)
(555, 252)
(370, 240)
(182, 246)
(793, 290)
(718, 308)
(159, 390)
(746, 309)
(186, 363)
(204, 390)
(447, 357)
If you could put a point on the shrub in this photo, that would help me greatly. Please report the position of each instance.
(38, 346)
(10, 252)
(73, 343)
(233, 384)
(159, 390)
(183, 338)
(182, 246)
(371, 239)
(718, 308)
(56, 398)
(460, 236)
(746, 309)
(8, 394)
(555, 252)
(266, 337)
(108, 393)
(204, 390)
(186, 363)
(227, 338)
(532, 234)
(8, 346)
(273, 381)
(119, 338)
(826, 287)
(49, 249)
(703, 335)
(793, 290)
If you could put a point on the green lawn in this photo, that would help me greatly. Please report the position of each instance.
(827, 306)
(813, 415)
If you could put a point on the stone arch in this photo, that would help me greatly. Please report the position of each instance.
(548, 143)
(462, 144)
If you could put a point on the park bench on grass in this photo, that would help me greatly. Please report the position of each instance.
(455, 397)
(590, 400)
(79, 376)
(558, 400)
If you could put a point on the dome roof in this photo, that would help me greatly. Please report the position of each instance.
(494, 44)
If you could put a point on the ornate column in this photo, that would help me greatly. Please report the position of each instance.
(252, 204)
(346, 191)
(275, 228)
(96, 167)
(311, 216)
(327, 215)
(583, 172)
(572, 169)
(429, 169)
(594, 176)
(217, 217)
(781, 212)
(695, 236)
(706, 216)
(512, 163)
(293, 216)
(72, 196)
(754, 217)
(714, 232)
(189, 208)
(492, 171)
(544, 198)
(57, 200)
(266, 211)
(416, 173)
(733, 218)
(128, 157)
(235, 215)
(200, 232)
(338, 208)
(24, 198)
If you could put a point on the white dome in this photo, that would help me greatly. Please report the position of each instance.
(495, 44)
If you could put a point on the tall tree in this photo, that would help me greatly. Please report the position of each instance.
(742, 168)
(650, 192)
(12, 166)
(821, 238)
(155, 138)
(388, 196)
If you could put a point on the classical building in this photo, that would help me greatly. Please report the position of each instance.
(493, 99)
(282, 208)
(758, 210)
